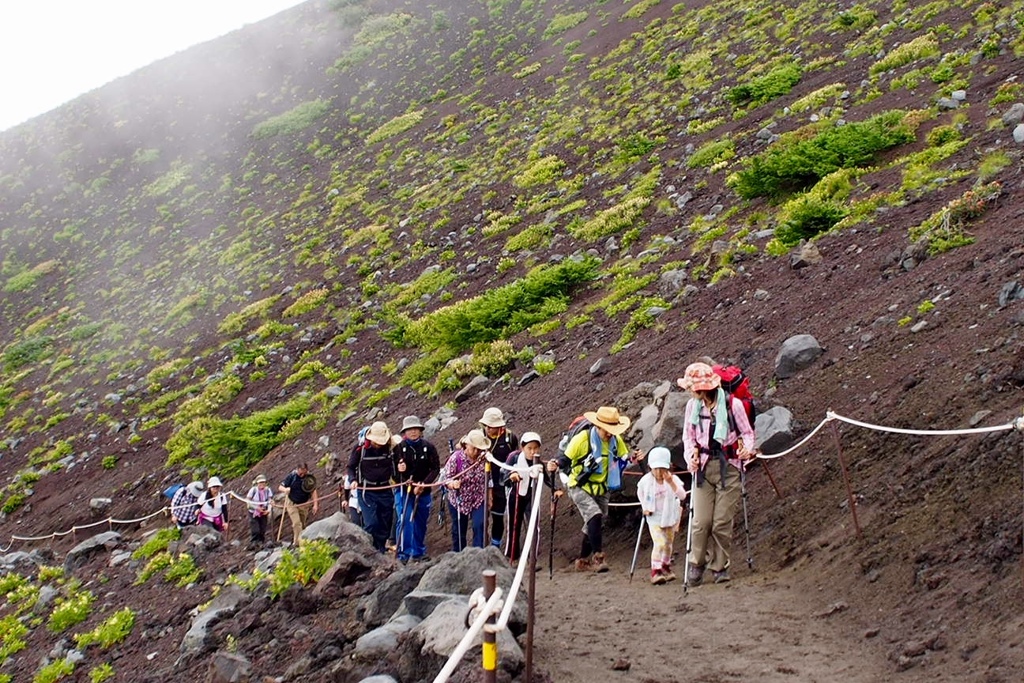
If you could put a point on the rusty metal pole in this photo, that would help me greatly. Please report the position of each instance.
(767, 470)
(531, 591)
(846, 478)
(490, 644)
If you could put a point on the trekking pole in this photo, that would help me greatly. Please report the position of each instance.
(400, 535)
(689, 539)
(554, 514)
(746, 520)
(636, 550)
(280, 527)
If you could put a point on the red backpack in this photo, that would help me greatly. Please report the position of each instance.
(737, 384)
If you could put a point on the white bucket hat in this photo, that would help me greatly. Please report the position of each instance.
(214, 481)
(493, 418)
(196, 488)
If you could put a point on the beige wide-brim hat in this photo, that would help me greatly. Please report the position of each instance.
(608, 419)
(261, 479)
(378, 433)
(493, 418)
(478, 439)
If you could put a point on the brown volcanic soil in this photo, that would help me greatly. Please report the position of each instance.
(931, 589)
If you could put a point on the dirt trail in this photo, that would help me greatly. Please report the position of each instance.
(757, 627)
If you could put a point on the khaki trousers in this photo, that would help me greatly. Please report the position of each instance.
(298, 515)
(714, 508)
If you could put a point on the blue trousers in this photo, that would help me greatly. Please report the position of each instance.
(460, 523)
(413, 514)
(378, 514)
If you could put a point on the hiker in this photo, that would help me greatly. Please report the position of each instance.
(518, 492)
(466, 480)
(660, 492)
(418, 467)
(717, 441)
(594, 459)
(258, 501)
(185, 504)
(371, 468)
(300, 489)
(503, 442)
(213, 506)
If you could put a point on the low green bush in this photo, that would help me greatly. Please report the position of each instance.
(70, 609)
(807, 217)
(761, 89)
(794, 162)
(112, 631)
(296, 119)
(158, 542)
(306, 566)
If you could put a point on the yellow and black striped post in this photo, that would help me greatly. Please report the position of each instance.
(490, 644)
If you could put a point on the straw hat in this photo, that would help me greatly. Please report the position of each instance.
(608, 419)
(493, 418)
(478, 439)
(699, 377)
(378, 433)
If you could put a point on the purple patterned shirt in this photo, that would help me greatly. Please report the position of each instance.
(472, 486)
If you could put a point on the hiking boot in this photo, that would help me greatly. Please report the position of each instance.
(721, 576)
(583, 564)
(695, 575)
(669, 576)
(657, 578)
(600, 566)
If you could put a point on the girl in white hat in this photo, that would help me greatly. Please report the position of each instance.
(660, 492)
(518, 487)
(213, 506)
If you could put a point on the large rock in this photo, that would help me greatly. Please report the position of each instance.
(421, 603)
(774, 429)
(668, 431)
(221, 607)
(641, 432)
(462, 573)
(228, 667)
(81, 553)
(797, 353)
(385, 600)
(339, 530)
(441, 632)
(383, 640)
(19, 559)
(346, 570)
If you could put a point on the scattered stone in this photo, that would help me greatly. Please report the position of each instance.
(100, 505)
(947, 103)
(1018, 133)
(978, 417)
(527, 378)
(919, 326)
(834, 608)
(1011, 291)
(221, 607)
(472, 388)
(872, 632)
(81, 553)
(228, 667)
(1014, 115)
(797, 353)
(599, 366)
(380, 641)
(914, 648)
(806, 255)
(621, 665)
(775, 429)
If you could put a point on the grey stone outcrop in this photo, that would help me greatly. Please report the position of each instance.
(227, 602)
(797, 353)
(774, 428)
(81, 553)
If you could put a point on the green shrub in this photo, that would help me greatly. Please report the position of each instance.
(807, 217)
(497, 313)
(12, 636)
(182, 571)
(109, 462)
(54, 671)
(612, 220)
(157, 543)
(26, 352)
(561, 23)
(112, 631)
(396, 126)
(539, 171)
(711, 153)
(294, 120)
(156, 564)
(921, 47)
(101, 672)
(532, 237)
(306, 566)
(231, 446)
(70, 610)
(761, 89)
(794, 163)
(946, 228)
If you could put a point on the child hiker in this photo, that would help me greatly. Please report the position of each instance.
(660, 493)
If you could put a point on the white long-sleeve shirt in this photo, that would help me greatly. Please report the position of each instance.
(660, 501)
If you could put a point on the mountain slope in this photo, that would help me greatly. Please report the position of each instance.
(228, 253)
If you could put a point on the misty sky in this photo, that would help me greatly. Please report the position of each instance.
(51, 51)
